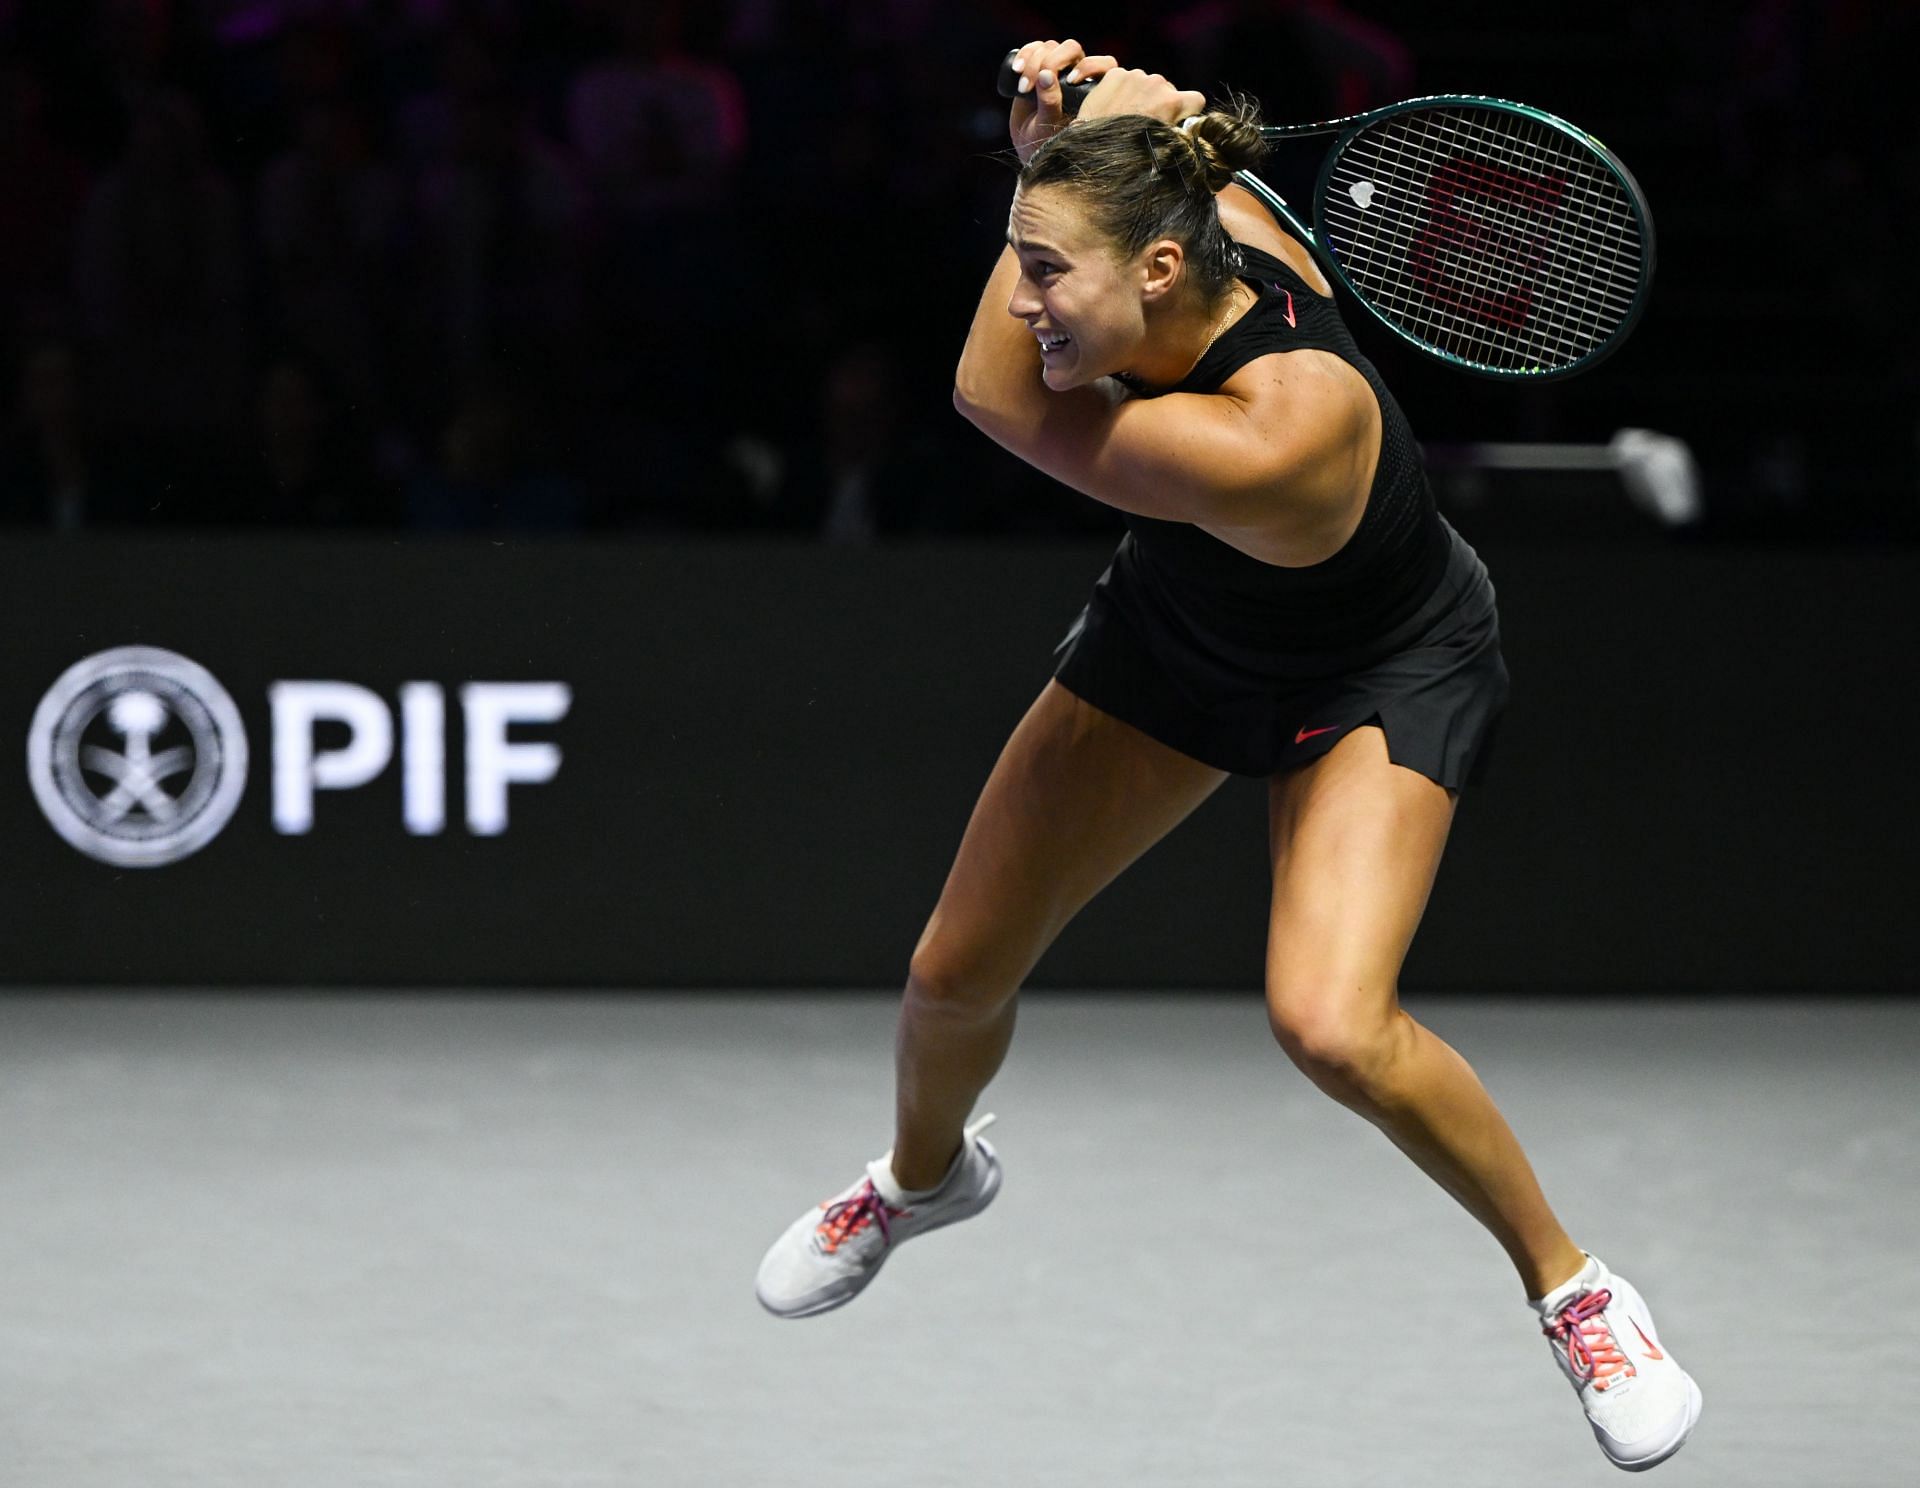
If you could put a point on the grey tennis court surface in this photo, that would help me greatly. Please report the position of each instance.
(395, 1240)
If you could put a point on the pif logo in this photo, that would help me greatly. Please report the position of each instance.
(138, 756)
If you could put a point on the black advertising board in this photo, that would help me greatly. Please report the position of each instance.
(360, 762)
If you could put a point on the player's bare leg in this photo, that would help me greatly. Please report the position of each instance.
(1076, 796)
(1356, 841)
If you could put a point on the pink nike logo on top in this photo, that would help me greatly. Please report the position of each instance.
(1306, 733)
(1290, 320)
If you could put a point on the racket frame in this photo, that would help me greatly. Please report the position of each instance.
(1348, 127)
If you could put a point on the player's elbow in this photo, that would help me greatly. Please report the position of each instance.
(971, 380)
(982, 385)
(971, 402)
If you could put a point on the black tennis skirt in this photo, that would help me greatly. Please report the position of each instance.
(1435, 686)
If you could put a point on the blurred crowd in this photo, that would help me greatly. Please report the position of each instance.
(640, 265)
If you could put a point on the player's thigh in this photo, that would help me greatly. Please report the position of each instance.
(1356, 841)
(1075, 797)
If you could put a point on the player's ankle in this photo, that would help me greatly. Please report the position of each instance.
(1542, 1275)
(916, 1175)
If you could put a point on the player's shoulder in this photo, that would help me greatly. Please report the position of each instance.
(1309, 404)
(1309, 395)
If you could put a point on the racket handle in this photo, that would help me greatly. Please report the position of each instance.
(1072, 95)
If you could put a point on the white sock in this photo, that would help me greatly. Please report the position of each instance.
(888, 1186)
(1584, 1280)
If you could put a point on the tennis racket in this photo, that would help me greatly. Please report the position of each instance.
(1490, 235)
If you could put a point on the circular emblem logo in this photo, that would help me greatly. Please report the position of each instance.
(137, 756)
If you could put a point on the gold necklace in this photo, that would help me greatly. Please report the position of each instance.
(1131, 380)
(1218, 326)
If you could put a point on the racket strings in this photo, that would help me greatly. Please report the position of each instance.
(1479, 260)
(1588, 247)
(1466, 264)
(1480, 270)
(1492, 237)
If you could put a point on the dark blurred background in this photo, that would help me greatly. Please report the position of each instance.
(392, 346)
(644, 266)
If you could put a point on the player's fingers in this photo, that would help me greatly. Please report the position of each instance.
(1191, 103)
(1089, 69)
(1113, 85)
(1062, 55)
(1049, 98)
(1028, 62)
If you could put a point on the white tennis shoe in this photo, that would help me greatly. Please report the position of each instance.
(825, 1259)
(1641, 1404)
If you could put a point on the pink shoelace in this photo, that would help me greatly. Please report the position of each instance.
(849, 1217)
(1591, 1347)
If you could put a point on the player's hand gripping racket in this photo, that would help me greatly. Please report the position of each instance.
(1488, 234)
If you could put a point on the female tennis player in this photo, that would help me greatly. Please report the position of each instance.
(1287, 603)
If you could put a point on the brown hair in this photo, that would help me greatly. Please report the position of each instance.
(1142, 180)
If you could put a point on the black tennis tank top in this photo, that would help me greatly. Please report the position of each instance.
(1389, 566)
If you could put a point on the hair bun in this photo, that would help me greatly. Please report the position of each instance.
(1225, 140)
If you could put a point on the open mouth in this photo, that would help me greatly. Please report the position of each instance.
(1052, 341)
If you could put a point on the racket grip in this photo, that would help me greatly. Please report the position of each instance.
(1072, 95)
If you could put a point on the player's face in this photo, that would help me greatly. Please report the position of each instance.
(1079, 298)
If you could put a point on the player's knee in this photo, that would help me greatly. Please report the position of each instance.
(951, 983)
(1345, 1052)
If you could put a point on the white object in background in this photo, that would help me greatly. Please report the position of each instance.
(1660, 474)
(1658, 471)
